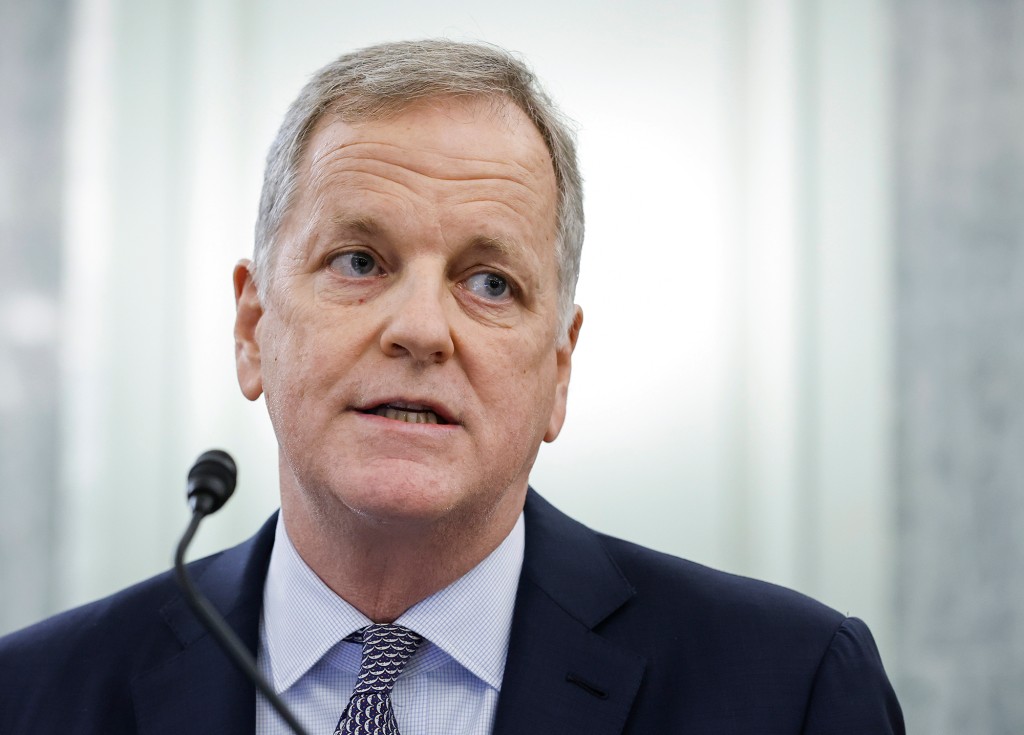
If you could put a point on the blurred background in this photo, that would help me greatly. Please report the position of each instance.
(803, 280)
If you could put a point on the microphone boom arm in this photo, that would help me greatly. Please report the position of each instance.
(215, 623)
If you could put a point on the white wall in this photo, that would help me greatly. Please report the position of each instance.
(730, 390)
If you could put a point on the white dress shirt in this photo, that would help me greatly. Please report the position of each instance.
(449, 687)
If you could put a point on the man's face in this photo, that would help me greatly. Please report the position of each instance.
(407, 348)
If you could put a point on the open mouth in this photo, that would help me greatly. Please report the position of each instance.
(407, 412)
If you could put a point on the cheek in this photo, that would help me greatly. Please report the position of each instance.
(520, 392)
(292, 373)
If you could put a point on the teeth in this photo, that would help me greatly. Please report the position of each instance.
(410, 417)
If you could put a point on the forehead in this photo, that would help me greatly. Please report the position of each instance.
(454, 151)
(454, 124)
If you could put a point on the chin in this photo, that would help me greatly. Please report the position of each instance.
(416, 498)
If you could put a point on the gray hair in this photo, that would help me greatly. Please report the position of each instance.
(380, 81)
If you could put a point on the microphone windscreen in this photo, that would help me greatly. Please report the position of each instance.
(213, 477)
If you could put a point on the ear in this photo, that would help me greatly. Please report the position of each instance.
(248, 312)
(563, 359)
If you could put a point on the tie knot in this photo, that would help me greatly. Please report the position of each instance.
(387, 648)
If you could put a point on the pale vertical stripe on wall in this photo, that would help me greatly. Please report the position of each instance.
(959, 150)
(33, 38)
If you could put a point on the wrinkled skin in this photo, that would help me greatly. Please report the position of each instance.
(416, 269)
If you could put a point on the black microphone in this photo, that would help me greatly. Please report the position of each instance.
(210, 483)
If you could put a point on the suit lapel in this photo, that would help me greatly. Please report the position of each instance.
(196, 688)
(561, 676)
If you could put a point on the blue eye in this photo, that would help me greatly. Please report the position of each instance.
(356, 264)
(488, 285)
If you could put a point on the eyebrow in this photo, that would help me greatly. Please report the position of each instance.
(365, 225)
(502, 246)
(369, 226)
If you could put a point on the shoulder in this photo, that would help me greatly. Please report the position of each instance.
(732, 653)
(682, 589)
(750, 648)
(663, 588)
(71, 634)
(83, 662)
(78, 634)
(229, 578)
(83, 659)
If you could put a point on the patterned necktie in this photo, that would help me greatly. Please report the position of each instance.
(386, 650)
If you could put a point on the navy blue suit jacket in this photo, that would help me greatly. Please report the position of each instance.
(607, 637)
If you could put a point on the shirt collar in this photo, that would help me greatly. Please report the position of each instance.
(470, 620)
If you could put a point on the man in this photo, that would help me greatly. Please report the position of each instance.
(409, 318)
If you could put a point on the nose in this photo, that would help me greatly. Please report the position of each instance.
(418, 324)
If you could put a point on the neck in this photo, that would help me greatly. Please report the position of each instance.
(382, 568)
